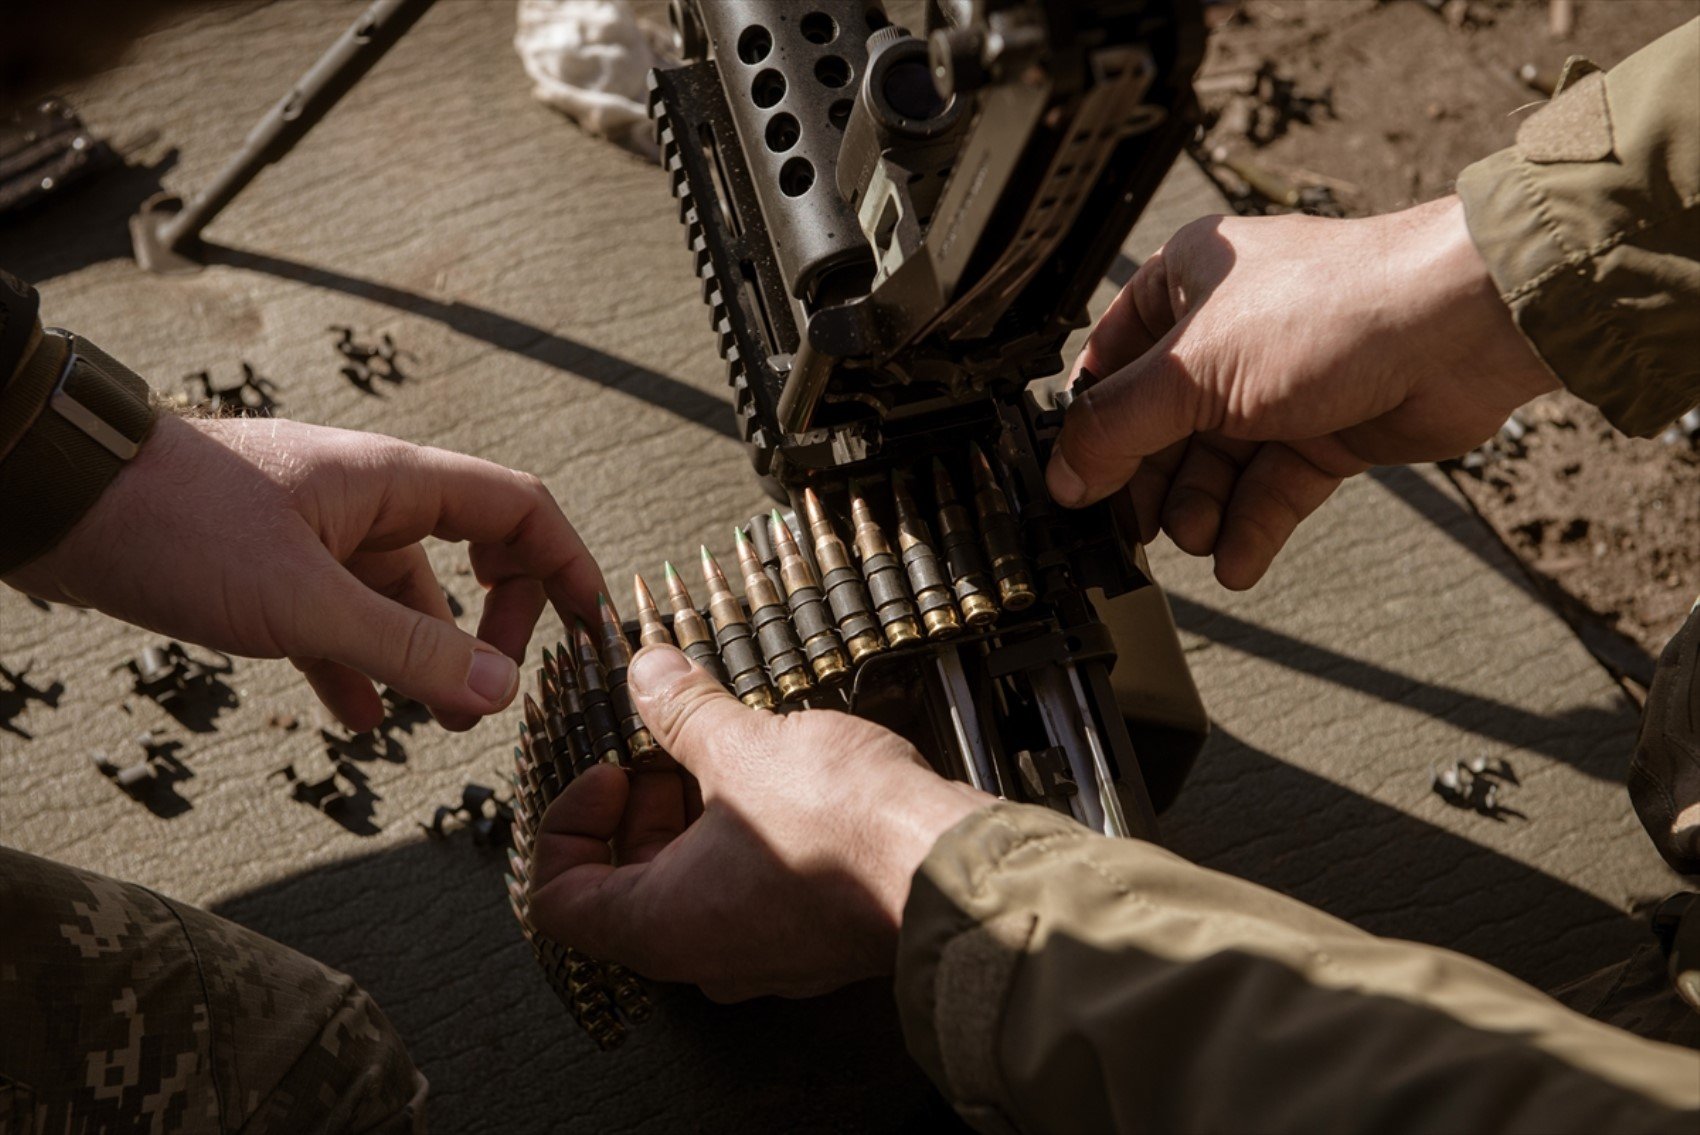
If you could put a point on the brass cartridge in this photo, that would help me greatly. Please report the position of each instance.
(770, 620)
(691, 632)
(599, 714)
(565, 682)
(652, 631)
(887, 585)
(808, 606)
(933, 595)
(969, 575)
(846, 593)
(617, 656)
(737, 641)
(1002, 540)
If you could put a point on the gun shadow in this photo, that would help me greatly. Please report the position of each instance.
(1459, 520)
(425, 928)
(425, 925)
(1582, 738)
(85, 224)
(662, 391)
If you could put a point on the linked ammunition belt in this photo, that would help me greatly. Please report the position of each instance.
(815, 610)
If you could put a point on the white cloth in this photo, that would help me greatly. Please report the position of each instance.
(591, 60)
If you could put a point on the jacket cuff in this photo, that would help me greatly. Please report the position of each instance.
(960, 947)
(1588, 224)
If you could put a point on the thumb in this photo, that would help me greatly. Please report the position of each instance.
(426, 658)
(1141, 409)
(690, 714)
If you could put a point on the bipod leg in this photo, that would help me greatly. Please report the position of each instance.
(166, 231)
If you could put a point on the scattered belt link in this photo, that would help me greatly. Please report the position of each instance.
(802, 627)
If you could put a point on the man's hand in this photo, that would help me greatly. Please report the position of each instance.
(1251, 365)
(790, 874)
(276, 539)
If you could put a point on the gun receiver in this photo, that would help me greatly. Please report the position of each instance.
(895, 235)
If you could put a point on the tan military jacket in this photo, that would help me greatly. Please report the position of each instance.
(1050, 979)
(1590, 224)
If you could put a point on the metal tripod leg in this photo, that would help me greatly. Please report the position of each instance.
(166, 232)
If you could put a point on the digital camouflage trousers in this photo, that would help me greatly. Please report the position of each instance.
(122, 1011)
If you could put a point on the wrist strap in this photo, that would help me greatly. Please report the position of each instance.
(19, 306)
(74, 417)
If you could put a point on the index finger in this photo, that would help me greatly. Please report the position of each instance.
(1131, 325)
(1141, 409)
(513, 522)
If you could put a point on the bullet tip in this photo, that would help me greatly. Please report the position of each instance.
(669, 570)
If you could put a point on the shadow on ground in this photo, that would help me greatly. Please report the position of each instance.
(89, 225)
(1388, 872)
(1572, 738)
(426, 929)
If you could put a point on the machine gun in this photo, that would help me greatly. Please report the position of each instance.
(895, 235)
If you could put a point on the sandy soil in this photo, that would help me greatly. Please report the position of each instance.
(1351, 107)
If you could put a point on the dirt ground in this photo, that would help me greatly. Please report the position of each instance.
(1352, 107)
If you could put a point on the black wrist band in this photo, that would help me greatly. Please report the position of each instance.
(82, 417)
(18, 307)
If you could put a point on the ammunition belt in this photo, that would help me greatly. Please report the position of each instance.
(816, 608)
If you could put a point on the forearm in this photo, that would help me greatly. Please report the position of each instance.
(1590, 225)
(1050, 979)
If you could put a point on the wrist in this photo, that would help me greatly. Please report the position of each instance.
(917, 811)
(1473, 332)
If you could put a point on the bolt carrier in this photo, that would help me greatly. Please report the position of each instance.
(808, 605)
(887, 584)
(771, 621)
(927, 578)
(846, 593)
(737, 641)
(1003, 542)
(617, 656)
(691, 631)
(599, 712)
(969, 575)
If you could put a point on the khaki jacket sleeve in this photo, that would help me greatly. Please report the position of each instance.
(1050, 979)
(1590, 224)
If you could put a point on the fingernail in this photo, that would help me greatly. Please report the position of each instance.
(655, 669)
(1065, 484)
(493, 677)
